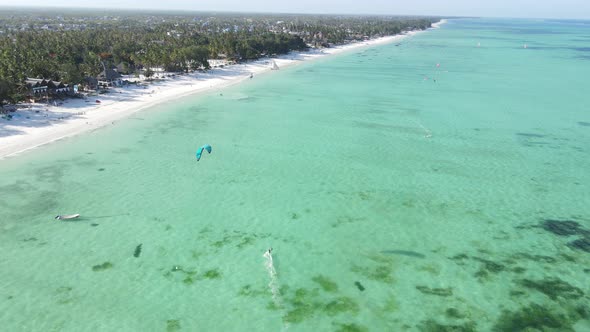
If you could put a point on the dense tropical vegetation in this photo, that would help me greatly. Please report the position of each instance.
(73, 45)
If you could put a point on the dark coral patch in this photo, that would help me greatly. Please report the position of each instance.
(553, 288)
(102, 267)
(532, 318)
(562, 227)
(582, 244)
(433, 326)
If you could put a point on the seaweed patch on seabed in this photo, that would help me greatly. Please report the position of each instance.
(242, 239)
(569, 228)
(436, 291)
(352, 327)
(305, 303)
(539, 318)
(431, 325)
(102, 267)
(173, 325)
(563, 227)
(326, 283)
(582, 244)
(554, 288)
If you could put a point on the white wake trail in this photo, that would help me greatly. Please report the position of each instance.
(274, 281)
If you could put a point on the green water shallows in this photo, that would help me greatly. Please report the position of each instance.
(397, 195)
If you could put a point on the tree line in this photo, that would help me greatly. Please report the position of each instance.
(62, 49)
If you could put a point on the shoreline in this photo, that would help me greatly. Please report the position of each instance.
(38, 124)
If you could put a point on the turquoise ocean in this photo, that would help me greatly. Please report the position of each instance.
(440, 183)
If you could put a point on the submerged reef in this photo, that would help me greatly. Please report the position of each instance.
(569, 228)
(454, 313)
(435, 291)
(532, 318)
(172, 325)
(303, 304)
(102, 267)
(582, 244)
(237, 238)
(487, 267)
(212, 274)
(382, 272)
(326, 284)
(340, 305)
(553, 288)
(352, 327)
(431, 325)
(562, 227)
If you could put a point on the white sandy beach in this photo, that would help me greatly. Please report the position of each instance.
(38, 124)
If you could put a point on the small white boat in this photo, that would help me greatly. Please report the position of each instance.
(274, 66)
(67, 216)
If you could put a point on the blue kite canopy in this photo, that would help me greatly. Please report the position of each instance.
(200, 150)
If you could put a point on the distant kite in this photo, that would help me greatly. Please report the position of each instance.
(200, 150)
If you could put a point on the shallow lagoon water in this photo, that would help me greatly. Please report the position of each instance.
(396, 195)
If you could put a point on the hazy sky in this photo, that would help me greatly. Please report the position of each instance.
(494, 8)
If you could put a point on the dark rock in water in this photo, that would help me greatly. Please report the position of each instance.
(585, 124)
(582, 244)
(101, 169)
(359, 286)
(93, 225)
(137, 251)
(562, 227)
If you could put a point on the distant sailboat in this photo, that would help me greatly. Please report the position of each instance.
(525, 46)
(274, 66)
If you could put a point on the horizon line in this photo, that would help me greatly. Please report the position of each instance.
(187, 12)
